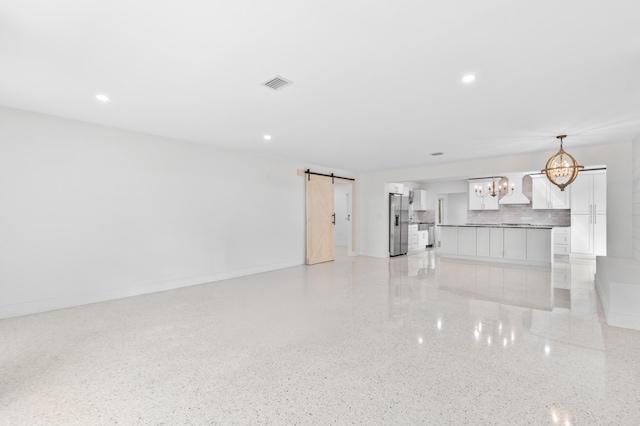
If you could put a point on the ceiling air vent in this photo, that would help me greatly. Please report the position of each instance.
(277, 83)
(435, 154)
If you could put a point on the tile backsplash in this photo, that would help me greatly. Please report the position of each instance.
(424, 216)
(516, 213)
(521, 213)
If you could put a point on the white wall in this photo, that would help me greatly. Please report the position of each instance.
(636, 198)
(456, 210)
(434, 189)
(91, 213)
(372, 216)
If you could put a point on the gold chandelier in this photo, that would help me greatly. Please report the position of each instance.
(562, 168)
(494, 190)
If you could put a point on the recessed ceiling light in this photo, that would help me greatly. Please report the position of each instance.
(468, 78)
(267, 137)
(102, 98)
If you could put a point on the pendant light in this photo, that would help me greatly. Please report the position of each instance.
(494, 190)
(562, 168)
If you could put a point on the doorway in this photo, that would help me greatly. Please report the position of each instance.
(342, 208)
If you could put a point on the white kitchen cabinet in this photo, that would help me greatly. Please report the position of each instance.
(523, 245)
(467, 240)
(600, 234)
(419, 200)
(396, 188)
(413, 237)
(482, 203)
(548, 196)
(589, 234)
(582, 235)
(423, 239)
(538, 244)
(496, 238)
(448, 239)
(562, 240)
(589, 214)
(483, 244)
(589, 193)
(515, 243)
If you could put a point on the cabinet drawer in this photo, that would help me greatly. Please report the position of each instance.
(561, 239)
(561, 249)
(561, 231)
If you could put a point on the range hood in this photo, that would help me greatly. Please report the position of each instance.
(517, 197)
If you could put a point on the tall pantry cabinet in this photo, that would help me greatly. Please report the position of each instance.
(589, 213)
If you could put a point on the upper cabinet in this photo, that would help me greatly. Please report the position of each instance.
(481, 203)
(419, 199)
(395, 188)
(548, 196)
(589, 214)
(589, 193)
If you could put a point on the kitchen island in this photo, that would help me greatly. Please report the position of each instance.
(522, 244)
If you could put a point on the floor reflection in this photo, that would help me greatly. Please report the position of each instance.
(501, 300)
(517, 285)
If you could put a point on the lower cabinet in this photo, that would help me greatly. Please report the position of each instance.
(483, 238)
(516, 245)
(497, 242)
(413, 237)
(490, 242)
(423, 239)
(589, 234)
(539, 244)
(562, 241)
(467, 241)
(448, 239)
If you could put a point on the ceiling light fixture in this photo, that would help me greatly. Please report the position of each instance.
(102, 98)
(493, 189)
(562, 168)
(267, 137)
(468, 78)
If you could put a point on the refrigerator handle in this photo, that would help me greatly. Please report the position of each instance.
(334, 218)
(397, 217)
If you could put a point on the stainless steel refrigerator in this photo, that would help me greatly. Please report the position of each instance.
(398, 224)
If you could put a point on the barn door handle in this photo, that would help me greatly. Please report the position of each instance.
(334, 218)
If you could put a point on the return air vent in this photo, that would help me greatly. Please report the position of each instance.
(277, 83)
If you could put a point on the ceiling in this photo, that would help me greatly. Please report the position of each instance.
(377, 84)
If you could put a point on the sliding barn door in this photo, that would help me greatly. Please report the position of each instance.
(320, 219)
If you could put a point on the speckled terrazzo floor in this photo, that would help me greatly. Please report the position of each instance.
(404, 341)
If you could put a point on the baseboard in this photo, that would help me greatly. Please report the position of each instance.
(44, 305)
(373, 253)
